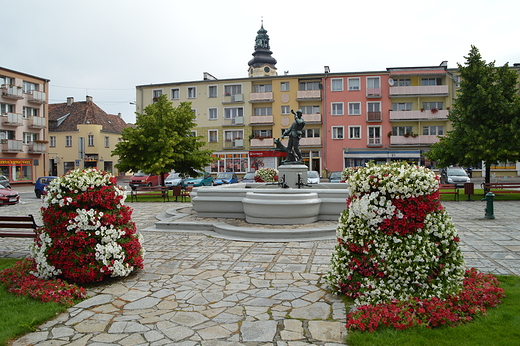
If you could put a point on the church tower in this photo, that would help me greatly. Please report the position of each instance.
(262, 64)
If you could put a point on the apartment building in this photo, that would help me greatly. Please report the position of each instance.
(23, 126)
(82, 135)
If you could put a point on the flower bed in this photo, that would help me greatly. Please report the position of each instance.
(397, 248)
(87, 233)
(266, 175)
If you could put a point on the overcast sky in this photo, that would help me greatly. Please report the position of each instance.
(104, 48)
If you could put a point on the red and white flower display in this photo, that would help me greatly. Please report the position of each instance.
(88, 233)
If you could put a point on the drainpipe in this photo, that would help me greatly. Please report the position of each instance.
(324, 115)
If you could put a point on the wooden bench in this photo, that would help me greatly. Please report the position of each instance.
(150, 191)
(449, 189)
(7, 223)
(501, 187)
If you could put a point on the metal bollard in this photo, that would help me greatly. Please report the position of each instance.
(490, 198)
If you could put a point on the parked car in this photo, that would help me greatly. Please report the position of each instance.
(8, 196)
(335, 177)
(173, 179)
(248, 178)
(454, 175)
(226, 178)
(4, 181)
(203, 179)
(143, 179)
(313, 177)
(41, 183)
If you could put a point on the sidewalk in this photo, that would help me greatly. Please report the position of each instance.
(200, 290)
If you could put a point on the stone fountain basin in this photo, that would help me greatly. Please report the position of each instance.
(270, 204)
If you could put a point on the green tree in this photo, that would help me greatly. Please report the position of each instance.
(162, 141)
(485, 117)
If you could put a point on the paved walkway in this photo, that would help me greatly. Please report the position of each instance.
(200, 290)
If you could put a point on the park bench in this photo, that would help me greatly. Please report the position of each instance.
(501, 187)
(449, 189)
(17, 226)
(150, 191)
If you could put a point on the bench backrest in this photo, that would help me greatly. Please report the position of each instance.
(18, 222)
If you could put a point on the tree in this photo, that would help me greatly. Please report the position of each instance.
(162, 141)
(485, 117)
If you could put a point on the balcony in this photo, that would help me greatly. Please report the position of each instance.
(374, 93)
(419, 140)
(37, 122)
(429, 90)
(12, 119)
(312, 118)
(261, 120)
(11, 146)
(310, 142)
(303, 95)
(236, 98)
(234, 144)
(12, 91)
(262, 143)
(37, 148)
(236, 121)
(419, 115)
(261, 97)
(374, 117)
(36, 96)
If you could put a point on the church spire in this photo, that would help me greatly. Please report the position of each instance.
(262, 64)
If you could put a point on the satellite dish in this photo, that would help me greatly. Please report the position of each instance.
(391, 82)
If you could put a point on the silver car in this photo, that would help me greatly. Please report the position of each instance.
(454, 175)
(4, 181)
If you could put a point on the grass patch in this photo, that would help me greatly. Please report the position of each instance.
(479, 195)
(498, 328)
(20, 314)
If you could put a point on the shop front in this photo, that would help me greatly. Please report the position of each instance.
(17, 170)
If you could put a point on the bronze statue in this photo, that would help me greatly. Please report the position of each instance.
(295, 133)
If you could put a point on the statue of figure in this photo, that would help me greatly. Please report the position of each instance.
(295, 133)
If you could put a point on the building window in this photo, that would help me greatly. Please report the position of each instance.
(6, 134)
(428, 106)
(286, 110)
(402, 82)
(336, 84)
(401, 130)
(230, 90)
(176, 93)
(107, 142)
(403, 106)
(433, 130)
(259, 134)
(28, 87)
(212, 91)
(230, 113)
(263, 111)
(354, 108)
(213, 136)
(52, 141)
(6, 80)
(156, 93)
(30, 112)
(374, 135)
(194, 110)
(90, 140)
(262, 88)
(373, 83)
(310, 85)
(231, 136)
(192, 92)
(337, 108)
(310, 109)
(6, 108)
(213, 113)
(354, 132)
(431, 81)
(354, 84)
(284, 86)
(337, 132)
(309, 133)
(29, 137)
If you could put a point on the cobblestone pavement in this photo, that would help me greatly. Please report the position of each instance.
(201, 290)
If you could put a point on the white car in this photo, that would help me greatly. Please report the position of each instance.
(313, 177)
(173, 179)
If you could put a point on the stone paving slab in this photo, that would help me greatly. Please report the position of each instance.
(200, 290)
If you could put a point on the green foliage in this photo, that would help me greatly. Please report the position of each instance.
(162, 141)
(485, 116)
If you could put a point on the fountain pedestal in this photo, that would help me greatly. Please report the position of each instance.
(290, 173)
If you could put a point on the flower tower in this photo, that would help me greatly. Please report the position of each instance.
(395, 241)
(266, 175)
(87, 231)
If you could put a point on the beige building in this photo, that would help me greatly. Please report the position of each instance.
(23, 126)
(82, 135)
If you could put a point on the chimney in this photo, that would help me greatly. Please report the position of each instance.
(70, 101)
(119, 114)
(89, 98)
